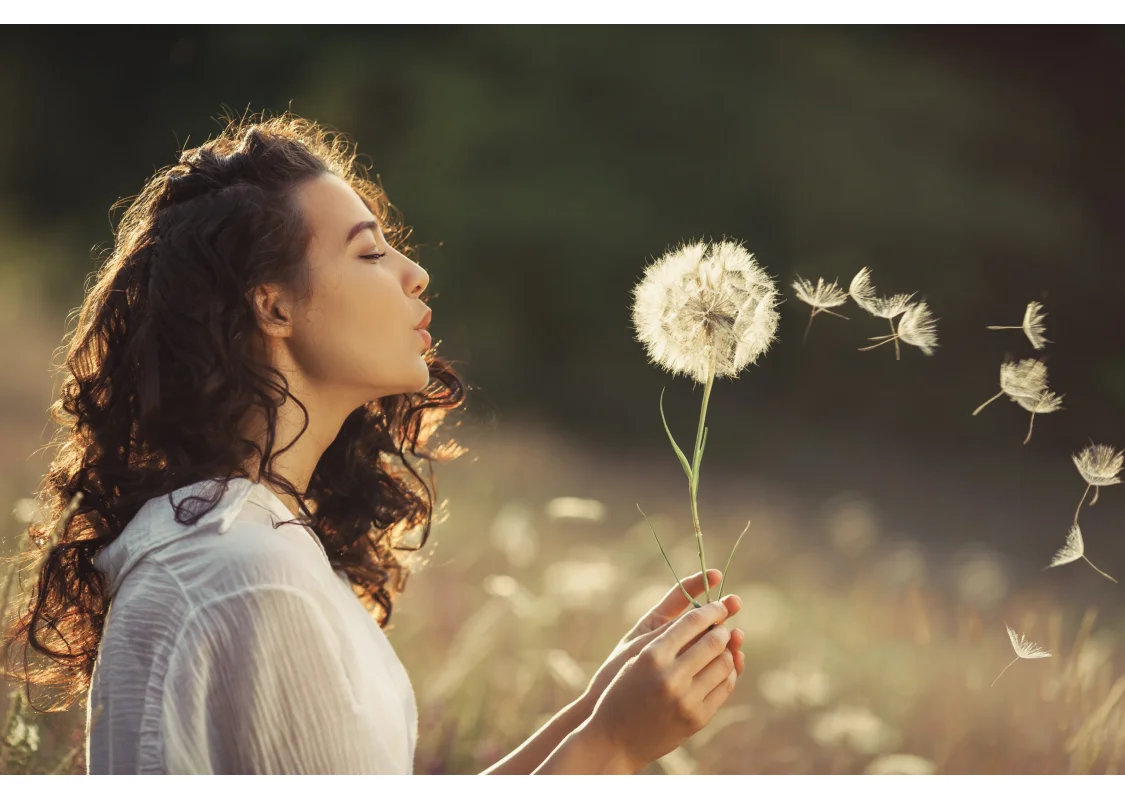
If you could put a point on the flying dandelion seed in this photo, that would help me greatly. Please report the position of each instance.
(704, 311)
(1026, 378)
(1046, 402)
(821, 298)
(863, 292)
(1032, 326)
(917, 327)
(1024, 649)
(1099, 465)
(1025, 383)
(1072, 550)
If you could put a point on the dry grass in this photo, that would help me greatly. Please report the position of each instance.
(855, 650)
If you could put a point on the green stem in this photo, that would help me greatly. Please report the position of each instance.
(694, 485)
(691, 599)
(726, 568)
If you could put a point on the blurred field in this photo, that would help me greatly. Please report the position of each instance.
(874, 602)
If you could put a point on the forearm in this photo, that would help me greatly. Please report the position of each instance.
(532, 752)
(586, 751)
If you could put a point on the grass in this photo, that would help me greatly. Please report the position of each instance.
(858, 644)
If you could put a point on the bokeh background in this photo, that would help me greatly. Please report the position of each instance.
(893, 534)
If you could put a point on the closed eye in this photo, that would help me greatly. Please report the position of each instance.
(375, 256)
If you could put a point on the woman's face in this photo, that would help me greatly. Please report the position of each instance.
(355, 332)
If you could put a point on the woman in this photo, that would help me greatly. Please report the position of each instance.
(248, 374)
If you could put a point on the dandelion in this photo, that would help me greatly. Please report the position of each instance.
(1072, 550)
(704, 311)
(917, 327)
(863, 292)
(821, 298)
(1032, 326)
(1099, 465)
(1024, 649)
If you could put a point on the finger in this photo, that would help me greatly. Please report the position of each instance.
(674, 602)
(719, 694)
(733, 603)
(711, 675)
(710, 646)
(734, 645)
(684, 629)
(739, 663)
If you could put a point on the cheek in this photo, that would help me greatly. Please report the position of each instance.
(356, 332)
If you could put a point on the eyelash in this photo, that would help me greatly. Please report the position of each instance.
(373, 256)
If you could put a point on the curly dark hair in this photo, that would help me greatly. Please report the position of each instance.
(160, 373)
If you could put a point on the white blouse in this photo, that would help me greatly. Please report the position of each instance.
(232, 647)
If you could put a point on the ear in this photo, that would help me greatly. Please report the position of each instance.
(273, 308)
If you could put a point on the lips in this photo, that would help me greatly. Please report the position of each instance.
(421, 328)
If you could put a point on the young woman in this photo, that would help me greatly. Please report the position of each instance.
(247, 385)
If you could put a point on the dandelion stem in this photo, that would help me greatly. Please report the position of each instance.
(982, 407)
(894, 333)
(1084, 493)
(1094, 501)
(694, 485)
(808, 327)
(1001, 674)
(1099, 571)
(691, 599)
(726, 569)
(825, 310)
(1004, 327)
(1029, 427)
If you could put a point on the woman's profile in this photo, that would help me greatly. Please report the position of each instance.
(246, 398)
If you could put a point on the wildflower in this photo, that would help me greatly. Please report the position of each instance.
(704, 311)
(917, 327)
(1099, 465)
(1032, 326)
(1024, 649)
(821, 298)
(1072, 550)
(883, 307)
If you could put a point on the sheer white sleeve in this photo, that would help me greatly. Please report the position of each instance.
(260, 682)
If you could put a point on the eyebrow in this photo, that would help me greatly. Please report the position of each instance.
(359, 227)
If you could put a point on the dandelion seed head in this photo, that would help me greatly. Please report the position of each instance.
(1072, 550)
(1026, 378)
(1025, 648)
(919, 328)
(824, 295)
(702, 301)
(1100, 464)
(1033, 326)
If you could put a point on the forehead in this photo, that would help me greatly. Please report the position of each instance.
(331, 207)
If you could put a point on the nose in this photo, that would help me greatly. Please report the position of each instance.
(417, 279)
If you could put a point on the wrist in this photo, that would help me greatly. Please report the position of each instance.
(606, 754)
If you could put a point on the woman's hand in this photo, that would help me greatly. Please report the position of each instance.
(668, 691)
(655, 622)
